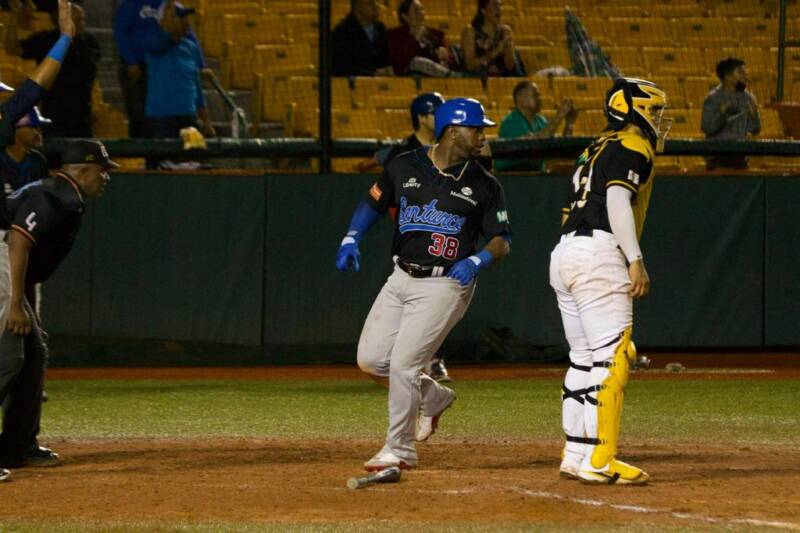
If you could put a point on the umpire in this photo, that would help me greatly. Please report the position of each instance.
(45, 219)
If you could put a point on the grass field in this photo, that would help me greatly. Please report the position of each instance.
(500, 442)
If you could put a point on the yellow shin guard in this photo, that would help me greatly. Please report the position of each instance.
(609, 401)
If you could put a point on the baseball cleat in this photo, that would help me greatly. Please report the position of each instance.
(439, 372)
(426, 425)
(615, 472)
(568, 472)
(4, 474)
(384, 460)
(41, 457)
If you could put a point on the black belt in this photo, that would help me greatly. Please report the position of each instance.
(419, 271)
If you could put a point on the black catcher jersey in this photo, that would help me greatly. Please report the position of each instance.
(440, 215)
(622, 159)
(48, 212)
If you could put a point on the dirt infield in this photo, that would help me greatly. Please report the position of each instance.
(494, 483)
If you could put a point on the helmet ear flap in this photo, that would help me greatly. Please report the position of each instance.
(619, 104)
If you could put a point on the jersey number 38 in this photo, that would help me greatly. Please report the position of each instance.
(443, 246)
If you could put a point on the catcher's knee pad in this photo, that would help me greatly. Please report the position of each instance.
(610, 393)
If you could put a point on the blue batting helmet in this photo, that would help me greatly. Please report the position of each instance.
(32, 119)
(424, 104)
(461, 112)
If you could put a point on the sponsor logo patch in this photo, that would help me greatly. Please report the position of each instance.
(502, 216)
(412, 182)
(463, 197)
(466, 191)
(633, 177)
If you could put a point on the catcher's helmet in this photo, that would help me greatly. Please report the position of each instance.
(634, 101)
(461, 112)
(32, 119)
(424, 104)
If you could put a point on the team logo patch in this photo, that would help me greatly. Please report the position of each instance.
(502, 216)
(466, 191)
(459, 116)
(375, 192)
(428, 218)
(633, 177)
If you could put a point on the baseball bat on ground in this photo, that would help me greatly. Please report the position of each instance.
(389, 475)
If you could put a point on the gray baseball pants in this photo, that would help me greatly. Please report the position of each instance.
(408, 322)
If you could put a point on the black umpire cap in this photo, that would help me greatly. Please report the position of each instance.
(86, 152)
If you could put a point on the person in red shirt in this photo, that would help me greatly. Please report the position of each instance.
(415, 48)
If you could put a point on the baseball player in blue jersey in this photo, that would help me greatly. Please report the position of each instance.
(446, 201)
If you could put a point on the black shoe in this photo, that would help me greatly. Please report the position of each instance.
(439, 371)
(41, 457)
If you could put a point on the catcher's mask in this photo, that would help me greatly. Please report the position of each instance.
(639, 102)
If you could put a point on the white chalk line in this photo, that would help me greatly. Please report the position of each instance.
(652, 510)
(616, 506)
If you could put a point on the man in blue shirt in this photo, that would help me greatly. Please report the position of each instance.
(174, 91)
(136, 25)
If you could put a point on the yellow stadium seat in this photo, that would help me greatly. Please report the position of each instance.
(686, 123)
(755, 32)
(666, 163)
(628, 60)
(302, 28)
(383, 93)
(210, 20)
(355, 123)
(500, 91)
(290, 60)
(675, 61)
(692, 163)
(671, 10)
(466, 87)
(245, 30)
(703, 32)
(738, 8)
(433, 85)
(771, 126)
(530, 30)
(281, 7)
(395, 123)
(590, 123)
(674, 89)
(639, 32)
(587, 93)
(695, 89)
(536, 58)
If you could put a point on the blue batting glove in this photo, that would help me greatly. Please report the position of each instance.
(465, 270)
(348, 257)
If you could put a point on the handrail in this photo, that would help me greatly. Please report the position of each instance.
(511, 148)
(239, 127)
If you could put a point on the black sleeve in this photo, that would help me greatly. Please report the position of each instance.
(35, 216)
(495, 215)
(38, 166)
(21, 102)
(626, 168)
(380, 196)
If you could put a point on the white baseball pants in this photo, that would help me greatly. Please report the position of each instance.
(408, 322)
(591, 281)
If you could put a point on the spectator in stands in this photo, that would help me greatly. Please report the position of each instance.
(415, 48)
(135, 25)
(526, 121)
(174, 90)
(730, 112)
(360, 45)
(487, 45)
(68, 103)
(21, 162)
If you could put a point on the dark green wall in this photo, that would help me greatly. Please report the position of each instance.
(248, 260)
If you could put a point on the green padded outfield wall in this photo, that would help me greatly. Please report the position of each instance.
(248, 260)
